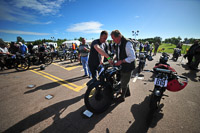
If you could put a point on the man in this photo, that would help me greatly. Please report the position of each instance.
(192, 52)
(97, 54)
(3, 54)
(23, 48)
(125, 56)
(156, 48)
(84, 53)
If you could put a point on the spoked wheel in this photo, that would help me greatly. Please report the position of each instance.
(97, 98)
(48, 60)
(22, 65)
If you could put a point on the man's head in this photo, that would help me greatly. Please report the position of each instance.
(103, 36)
(83, 40)
(116, 36)
(20, 43)
(2, 43)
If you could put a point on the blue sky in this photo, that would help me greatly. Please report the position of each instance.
(43, 19)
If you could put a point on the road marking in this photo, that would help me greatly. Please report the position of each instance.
(59, 80)
(68, 68)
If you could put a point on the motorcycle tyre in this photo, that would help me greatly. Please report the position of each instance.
(89, 106)
(20, 63)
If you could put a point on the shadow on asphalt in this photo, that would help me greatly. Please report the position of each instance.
(141, 115)
(191, 74)
(72, 122)
(55, 84)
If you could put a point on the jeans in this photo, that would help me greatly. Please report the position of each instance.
(84, 60)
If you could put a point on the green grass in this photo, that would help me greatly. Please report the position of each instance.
(169, 48)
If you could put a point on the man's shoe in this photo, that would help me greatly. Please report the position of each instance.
(85, 75)
(120, 99)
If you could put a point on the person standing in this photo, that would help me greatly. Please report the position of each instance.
(97, 54)
(156, 48)
(23, 48)
(84, 50)
(141, 47)
(125, 56)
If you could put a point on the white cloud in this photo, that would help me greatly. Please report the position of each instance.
(26, 11)
(137, 16)
(44, 7)
(86, 27)
(23, 32)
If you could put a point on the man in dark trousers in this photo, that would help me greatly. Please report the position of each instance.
(97, 54)
(125, 56)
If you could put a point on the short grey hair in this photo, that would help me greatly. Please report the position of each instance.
(116, 33)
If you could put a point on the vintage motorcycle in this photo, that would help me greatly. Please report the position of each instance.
(21, 62)
(163, 59)
(176, 54)
(164, 80)
(101, 91)
(142, 60)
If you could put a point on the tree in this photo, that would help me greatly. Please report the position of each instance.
(19, 39)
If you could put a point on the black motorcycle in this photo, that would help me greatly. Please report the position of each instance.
(21, 62)
(102, 91)
(164, 79)
(142, 60)
(41, 57)
(176, 54)
(163, 59)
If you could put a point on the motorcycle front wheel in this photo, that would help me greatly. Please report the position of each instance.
(22, 65)
(97, 98)
(48, 60)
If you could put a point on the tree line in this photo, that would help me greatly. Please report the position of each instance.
(158, 39)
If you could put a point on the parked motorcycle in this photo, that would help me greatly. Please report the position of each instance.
(176, 54)
(35, 58)
(21, 62)
(104, 89)
(142, 60)
(163, 59)
(164, 80)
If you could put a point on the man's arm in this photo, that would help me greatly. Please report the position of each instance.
(103, 53)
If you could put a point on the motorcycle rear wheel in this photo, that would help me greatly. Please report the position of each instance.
(97, 98)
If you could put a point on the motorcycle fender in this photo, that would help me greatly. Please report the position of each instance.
(91, 82)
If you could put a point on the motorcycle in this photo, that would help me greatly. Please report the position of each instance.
(35, 58)
(21, 62)
(142, 60)
(163, 59)
(176, 54)
(164, 80)
(101, 91)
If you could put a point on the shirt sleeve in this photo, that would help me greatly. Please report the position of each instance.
(130, 53)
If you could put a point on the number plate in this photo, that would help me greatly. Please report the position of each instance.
(160, 82)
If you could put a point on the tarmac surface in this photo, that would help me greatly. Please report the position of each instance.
(25, 108)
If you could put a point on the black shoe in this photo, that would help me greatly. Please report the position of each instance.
(85, 75)
(120, 99)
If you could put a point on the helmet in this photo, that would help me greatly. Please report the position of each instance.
(174, 85)
(42, 67)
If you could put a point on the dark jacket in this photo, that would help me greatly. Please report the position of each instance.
(126, 67)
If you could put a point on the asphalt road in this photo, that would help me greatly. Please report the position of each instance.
(25, 109)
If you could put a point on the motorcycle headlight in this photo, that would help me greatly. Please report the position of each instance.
(157, 93)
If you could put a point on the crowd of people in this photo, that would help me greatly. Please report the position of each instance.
(120, 50)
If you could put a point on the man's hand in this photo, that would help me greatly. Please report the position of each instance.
(110, 61)
(118, 63)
